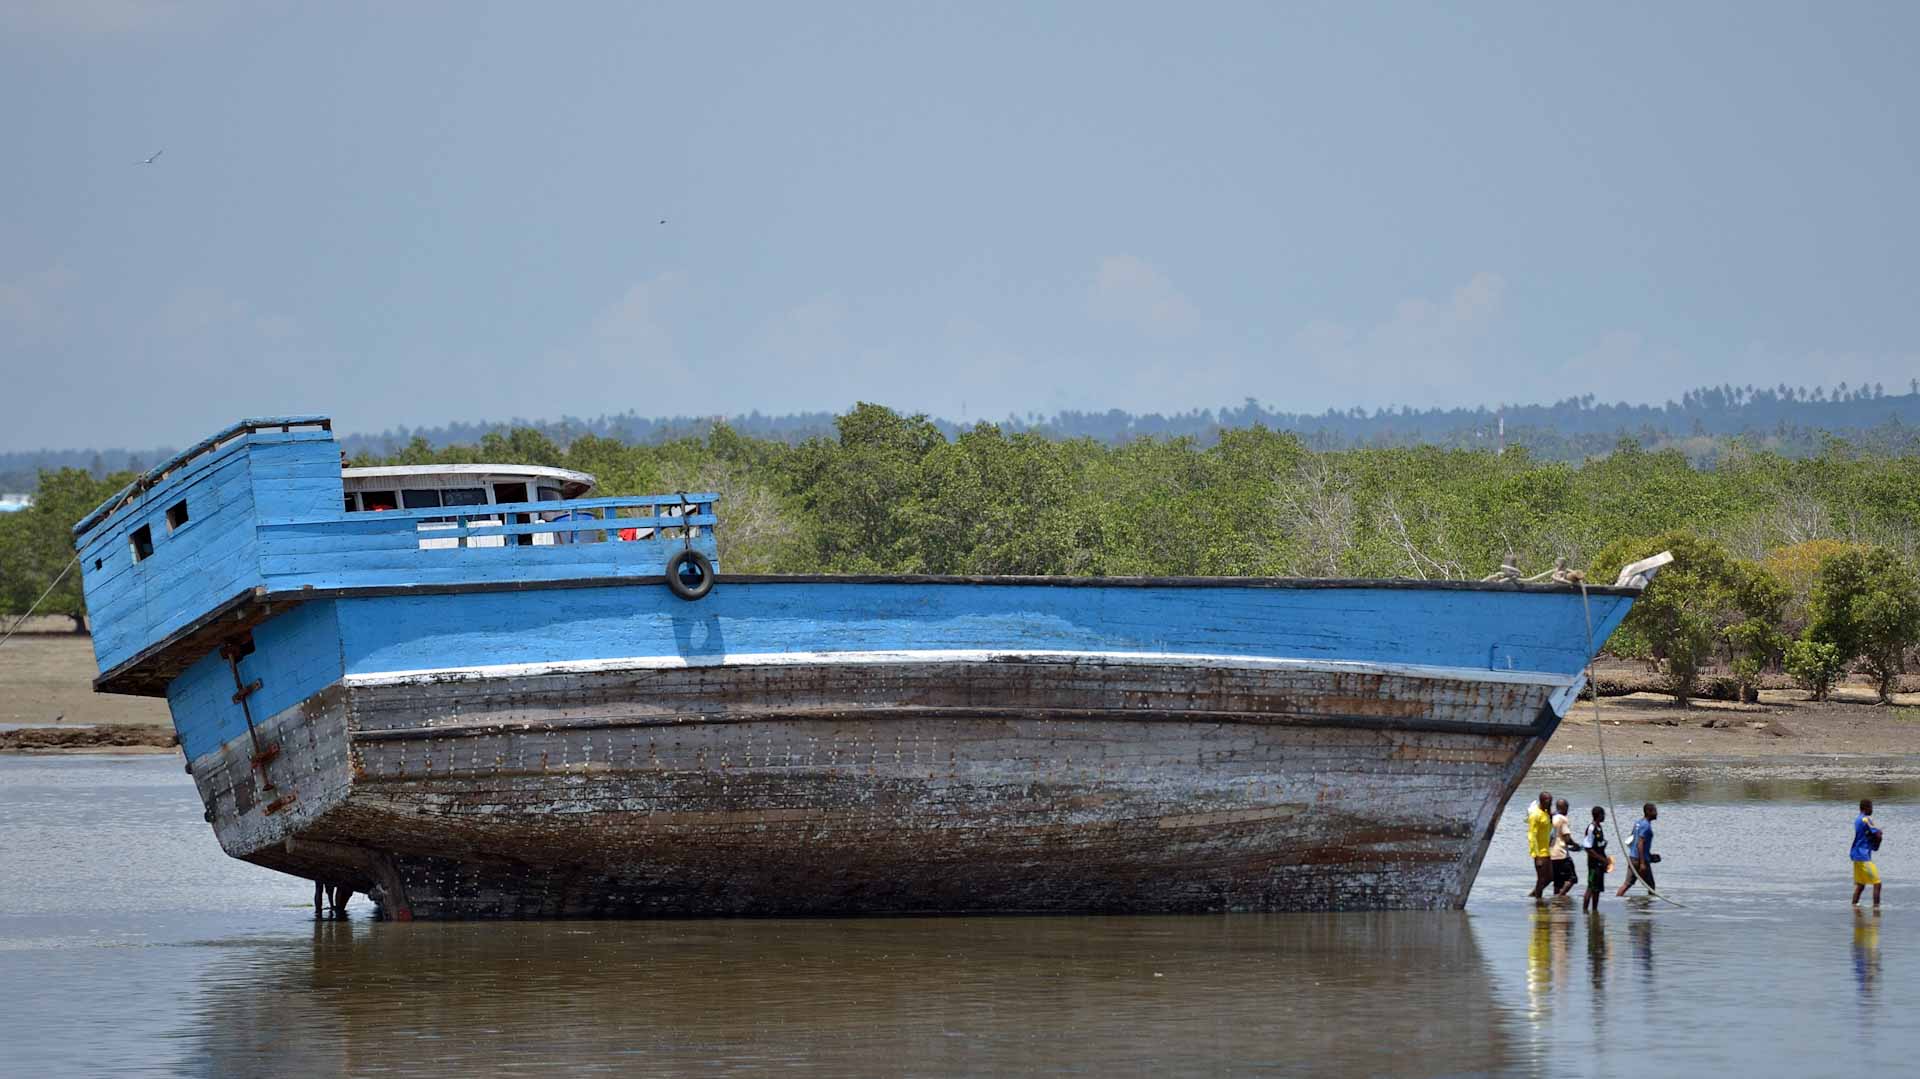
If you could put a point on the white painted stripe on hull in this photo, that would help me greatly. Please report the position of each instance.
(964, 655)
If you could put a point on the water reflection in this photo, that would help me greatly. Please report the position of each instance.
(1549, 952)
(1598, 953)
(116, 902)
(1640, 937)
(1726, 782)
(1351, 994)
(1866, 951)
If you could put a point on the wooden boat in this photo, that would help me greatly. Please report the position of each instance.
(484, 705)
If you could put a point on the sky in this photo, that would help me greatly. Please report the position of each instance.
(408, 214)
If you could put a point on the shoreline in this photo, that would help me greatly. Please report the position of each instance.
(1782, 724)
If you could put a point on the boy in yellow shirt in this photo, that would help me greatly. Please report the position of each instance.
(1540, 842)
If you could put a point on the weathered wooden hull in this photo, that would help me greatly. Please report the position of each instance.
(1038, 784)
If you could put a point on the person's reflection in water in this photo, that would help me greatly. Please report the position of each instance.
(1597, 953)
(1640, 930)
(1549, 943)
(1539, 962)
(1866, 950)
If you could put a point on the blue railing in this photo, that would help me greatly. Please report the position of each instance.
(580, 520)
(518, 543)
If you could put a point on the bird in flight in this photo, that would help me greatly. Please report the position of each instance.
(151, 160)
(663, 221)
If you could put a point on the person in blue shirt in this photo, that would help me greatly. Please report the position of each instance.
(1640, 856)
(1866, 838)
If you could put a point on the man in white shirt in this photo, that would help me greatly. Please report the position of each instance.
(1559, 851)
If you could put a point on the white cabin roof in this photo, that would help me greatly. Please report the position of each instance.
(572, 484)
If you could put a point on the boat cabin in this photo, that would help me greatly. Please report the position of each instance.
(262, 515)
(422, 487)
(419, 487)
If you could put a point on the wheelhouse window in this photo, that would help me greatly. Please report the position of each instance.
(514, 492)
(463, 496)
(375, 501)
(420, 498)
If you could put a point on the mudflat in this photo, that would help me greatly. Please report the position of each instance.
(47, 702)
(1784, 723)
(46, 681)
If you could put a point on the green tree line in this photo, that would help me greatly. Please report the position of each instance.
(893, 493)
(36, 545)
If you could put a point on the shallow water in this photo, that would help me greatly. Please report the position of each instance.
(130, 945)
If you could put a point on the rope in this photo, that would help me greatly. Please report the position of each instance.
(71, 562)
(133, 492)
(1599, 737)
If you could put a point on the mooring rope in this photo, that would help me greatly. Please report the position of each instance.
(1599, 737)
(71, 562)
(132, 492)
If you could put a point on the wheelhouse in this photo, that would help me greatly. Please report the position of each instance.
(261, 519)
(422, 487)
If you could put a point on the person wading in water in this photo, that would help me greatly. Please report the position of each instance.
(1640, 856)
(1560, 851)
(1540, 842)
(1594, 839)
(1866, 840)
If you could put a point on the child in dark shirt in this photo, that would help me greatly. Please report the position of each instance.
(1594, 840)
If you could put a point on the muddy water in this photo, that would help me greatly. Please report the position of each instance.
(130, 945)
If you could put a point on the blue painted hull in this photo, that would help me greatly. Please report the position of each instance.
(1536, 635)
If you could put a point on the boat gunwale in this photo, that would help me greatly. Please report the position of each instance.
(235, 609)
(1378, 583)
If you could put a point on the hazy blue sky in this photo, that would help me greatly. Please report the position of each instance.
(411, 213)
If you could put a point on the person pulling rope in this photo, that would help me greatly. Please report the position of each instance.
(1606, 775)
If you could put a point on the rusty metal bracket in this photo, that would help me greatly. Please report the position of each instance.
(231, 652)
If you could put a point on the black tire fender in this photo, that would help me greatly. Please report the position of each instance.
(689, 564)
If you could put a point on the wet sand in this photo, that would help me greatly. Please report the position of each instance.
(47, 702)
(1785, 723)
(46, 680)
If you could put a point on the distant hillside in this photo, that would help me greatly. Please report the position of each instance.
(19, 472)
(1790, 419)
